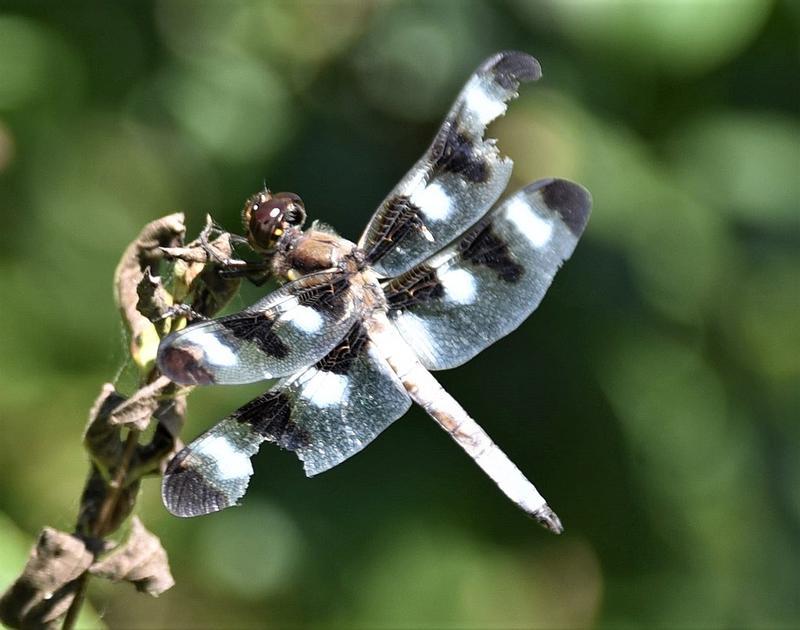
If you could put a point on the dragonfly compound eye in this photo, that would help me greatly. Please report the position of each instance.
(267, 216)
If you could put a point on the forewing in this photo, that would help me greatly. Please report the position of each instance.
(286, 331)
(486, 283)
(460, 176)
(325, 415)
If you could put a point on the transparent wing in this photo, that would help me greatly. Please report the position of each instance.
(325, 415)
(486, 283)
(286, 331)
(460, 176)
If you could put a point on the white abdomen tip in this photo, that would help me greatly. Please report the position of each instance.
(548, 519)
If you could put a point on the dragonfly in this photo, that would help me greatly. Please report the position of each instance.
(355, 330)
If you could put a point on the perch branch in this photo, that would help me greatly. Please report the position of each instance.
(54, 583)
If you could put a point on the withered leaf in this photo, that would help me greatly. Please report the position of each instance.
(141, 560)
(95, 518)
(47, 586)
(214, 292)
(196, 271)
(195, 252)
(165, 443)
(172, 414)
(144, 252)
(139, 408)
(192, 253)
(154, 300)
(100, 438)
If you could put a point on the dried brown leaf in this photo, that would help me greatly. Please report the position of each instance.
(139, 408)
(47, 586)
(196, 271)
(214, 292)
(154, 300)
(143, 253)
(95, 519)
(195, 252)
(172, 414)
(165, 444)
(100, 438)
(189, 254)
(140, 560)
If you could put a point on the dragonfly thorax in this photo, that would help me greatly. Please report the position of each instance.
(300, 253)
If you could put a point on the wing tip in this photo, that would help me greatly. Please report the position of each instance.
(571, 201)
(182, 364)
(186, 493)
(509, 68)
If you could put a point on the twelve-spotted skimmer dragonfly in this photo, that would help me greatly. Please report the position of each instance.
(439, 274)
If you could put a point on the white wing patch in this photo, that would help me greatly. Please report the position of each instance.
(230, 462)
(305, 318)
(216, 352)
(433, 201)
(535, 228)
(459, 284)
(328, 389)
(484, 106)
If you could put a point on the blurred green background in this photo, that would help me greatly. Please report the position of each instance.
(653, 398)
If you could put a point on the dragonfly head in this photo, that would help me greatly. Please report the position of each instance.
(267, 217)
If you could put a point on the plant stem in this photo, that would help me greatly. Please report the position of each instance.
(77, 602)
(99, 526)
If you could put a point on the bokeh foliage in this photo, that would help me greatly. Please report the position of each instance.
(653, 397)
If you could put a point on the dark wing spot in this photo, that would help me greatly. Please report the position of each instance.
(328, 297)
(340, 359)
(270, 415)
(186, 492)
(184, 365)
(399, 219)
(256, 327)
(481, 246)
(454, 152)
(571, 201)
(512, 67)
(414, 287)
